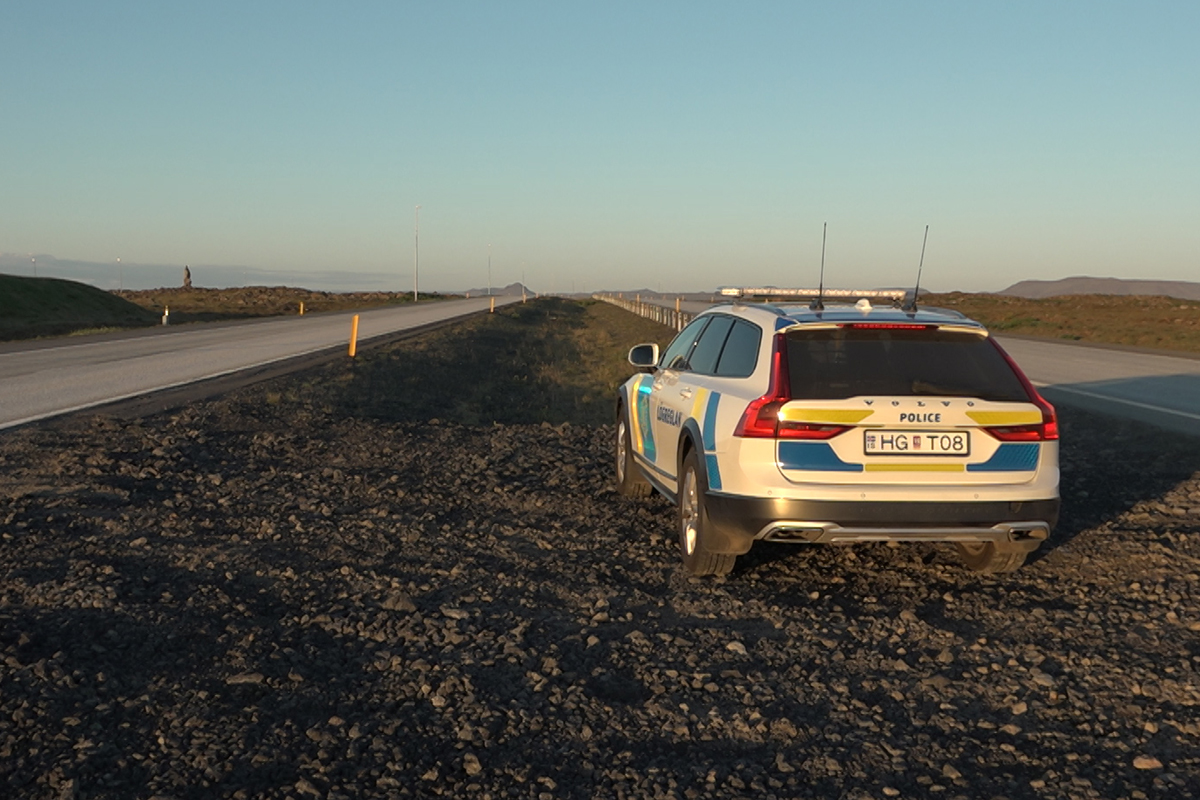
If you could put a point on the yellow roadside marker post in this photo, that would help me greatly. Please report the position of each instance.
(492, 306)
(302, 308)
(354, 336)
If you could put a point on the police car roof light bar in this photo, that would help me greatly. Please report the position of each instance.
(894, 295)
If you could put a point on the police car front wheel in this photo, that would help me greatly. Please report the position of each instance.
(630, 482)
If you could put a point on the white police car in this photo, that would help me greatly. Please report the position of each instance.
(821, 422)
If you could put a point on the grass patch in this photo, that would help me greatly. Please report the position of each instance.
(550, 360)
(1161, 322)
(32, 307)
(210, 305)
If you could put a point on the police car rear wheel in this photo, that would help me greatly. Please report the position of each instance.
(694, 524)
(629, 480)
(990, 556)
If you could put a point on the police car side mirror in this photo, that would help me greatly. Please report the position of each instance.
(644, 356)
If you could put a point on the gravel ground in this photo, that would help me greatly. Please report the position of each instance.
(262, 598)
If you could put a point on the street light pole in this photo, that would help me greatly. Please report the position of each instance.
(489, 270)
(416, 248)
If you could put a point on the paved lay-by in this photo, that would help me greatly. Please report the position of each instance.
(47, 381)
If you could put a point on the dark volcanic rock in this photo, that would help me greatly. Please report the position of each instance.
(257, 600)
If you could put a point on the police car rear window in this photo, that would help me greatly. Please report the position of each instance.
(848, 362)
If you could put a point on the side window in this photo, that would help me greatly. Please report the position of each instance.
(740, 356)
(677, 353)
(708, 348)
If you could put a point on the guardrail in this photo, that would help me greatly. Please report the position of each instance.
(672, 317)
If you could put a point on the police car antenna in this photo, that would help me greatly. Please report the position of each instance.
(912, 306)
(818, 305)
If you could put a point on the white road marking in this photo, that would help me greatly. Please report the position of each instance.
(1109, 397)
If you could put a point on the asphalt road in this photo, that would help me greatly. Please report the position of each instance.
(1145, 385)
(43, 381)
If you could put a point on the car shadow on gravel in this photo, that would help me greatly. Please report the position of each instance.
(1111, 466)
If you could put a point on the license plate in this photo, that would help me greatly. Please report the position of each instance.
(917, 443)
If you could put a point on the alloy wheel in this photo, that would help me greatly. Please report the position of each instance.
(689, 512)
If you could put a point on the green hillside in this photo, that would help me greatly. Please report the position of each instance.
(31, 307)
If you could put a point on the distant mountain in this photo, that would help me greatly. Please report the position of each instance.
(1081, 284)
(512, 290)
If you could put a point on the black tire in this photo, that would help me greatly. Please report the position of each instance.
(693, 524)
(630, 482)
(990, 557)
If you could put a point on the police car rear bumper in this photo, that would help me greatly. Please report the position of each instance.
(827, 522)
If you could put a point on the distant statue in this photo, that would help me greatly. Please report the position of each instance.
(187, 278)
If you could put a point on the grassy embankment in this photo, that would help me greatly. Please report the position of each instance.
(550, 360)
(32, 307)
(209, 305)
(1162, 322)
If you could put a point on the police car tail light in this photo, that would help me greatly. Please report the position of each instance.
(761, 419)
(1047, 430)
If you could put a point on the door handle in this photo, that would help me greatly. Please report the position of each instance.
(685, 393)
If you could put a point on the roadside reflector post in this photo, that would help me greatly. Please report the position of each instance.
(468, 295)
(302, 308)
(676, 305)
(354, 336)
(166, 320)
(492, 308)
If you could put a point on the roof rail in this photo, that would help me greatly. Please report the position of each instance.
(772, 292)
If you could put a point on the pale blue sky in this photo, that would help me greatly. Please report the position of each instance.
(683, 145)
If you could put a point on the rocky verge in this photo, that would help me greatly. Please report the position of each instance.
(263, 597)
